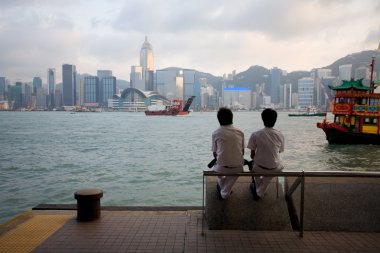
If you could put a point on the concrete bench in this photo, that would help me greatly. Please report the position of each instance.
(88, 203)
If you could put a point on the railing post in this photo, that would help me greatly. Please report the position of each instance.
(203, 203)
(302, 202)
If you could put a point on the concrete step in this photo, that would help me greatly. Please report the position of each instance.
(339, 204)
(241, 212)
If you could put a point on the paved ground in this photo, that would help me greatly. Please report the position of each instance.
(163, 231)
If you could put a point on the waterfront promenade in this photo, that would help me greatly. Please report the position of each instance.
(240, 224)
(162, 230)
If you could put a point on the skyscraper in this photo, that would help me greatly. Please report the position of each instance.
(51, 87)
(91, 90)
(275, 83)
(136, 78)
(37, 83)
(305, 92)
(69, 84)
(146, 62)
(345, 72)
(2, 88)
(146, 55)
(107, 86)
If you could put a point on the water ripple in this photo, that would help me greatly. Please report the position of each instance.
(137, 160)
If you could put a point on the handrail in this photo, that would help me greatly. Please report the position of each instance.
(301, 175)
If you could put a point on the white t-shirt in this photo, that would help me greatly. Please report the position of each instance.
(228, 143)
(267, 144)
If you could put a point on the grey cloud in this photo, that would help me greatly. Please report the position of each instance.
(373, 37)
(275, 19)
(30, 42)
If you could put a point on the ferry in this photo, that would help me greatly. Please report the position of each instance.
(356, 110)
(310, 111)
(176, 108)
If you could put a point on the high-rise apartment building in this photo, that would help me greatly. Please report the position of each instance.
(51, 88)
(305, 92)
(322, 73)
(362, 72)
(345, 72)
(287, 95)
(69, 84)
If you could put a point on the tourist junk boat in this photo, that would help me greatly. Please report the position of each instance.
(308, 113)
(356, 112)
(176, 108)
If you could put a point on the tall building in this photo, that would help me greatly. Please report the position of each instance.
(170, 83)
(364, 73)
(15, 96)
(287, 95)
(136, 78)
(69, 84)
(37, 83)
(107, 86)
(345, 72)
(237, 98)
(305, 92)
(2, 88)
(107, 90)
(147, 64)
(322, 73)
(103, 73)
(146, 55)
(275, 84)
(188, 84)
(51, 88)
(91, 90)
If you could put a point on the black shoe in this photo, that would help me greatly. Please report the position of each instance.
(252, 187)
(218, 191)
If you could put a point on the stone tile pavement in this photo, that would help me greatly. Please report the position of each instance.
(172, 231)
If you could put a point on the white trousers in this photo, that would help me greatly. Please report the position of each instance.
(226, 182)
(262, 183)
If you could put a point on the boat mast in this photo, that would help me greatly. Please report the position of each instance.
(371, 84)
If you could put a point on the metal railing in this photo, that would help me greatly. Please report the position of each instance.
(300, 181)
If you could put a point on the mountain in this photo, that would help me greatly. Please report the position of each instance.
(122, 84)
(253, 75)
(257, 74)
(356, 59)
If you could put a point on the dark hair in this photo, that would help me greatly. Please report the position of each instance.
(225, 116)
(269, 117)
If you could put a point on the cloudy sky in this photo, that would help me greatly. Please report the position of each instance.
(214, 36)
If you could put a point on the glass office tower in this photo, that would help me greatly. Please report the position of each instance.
(69, 84)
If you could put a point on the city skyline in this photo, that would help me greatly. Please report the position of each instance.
(215, 37)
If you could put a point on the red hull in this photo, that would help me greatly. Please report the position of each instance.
(166, 113)
(336, 134)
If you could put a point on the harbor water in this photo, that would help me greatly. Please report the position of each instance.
(138, 160)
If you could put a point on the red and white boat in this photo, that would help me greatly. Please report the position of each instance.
(176, 108)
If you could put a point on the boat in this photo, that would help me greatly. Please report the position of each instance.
(356, 110)
(310, 111)
(177, 108)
